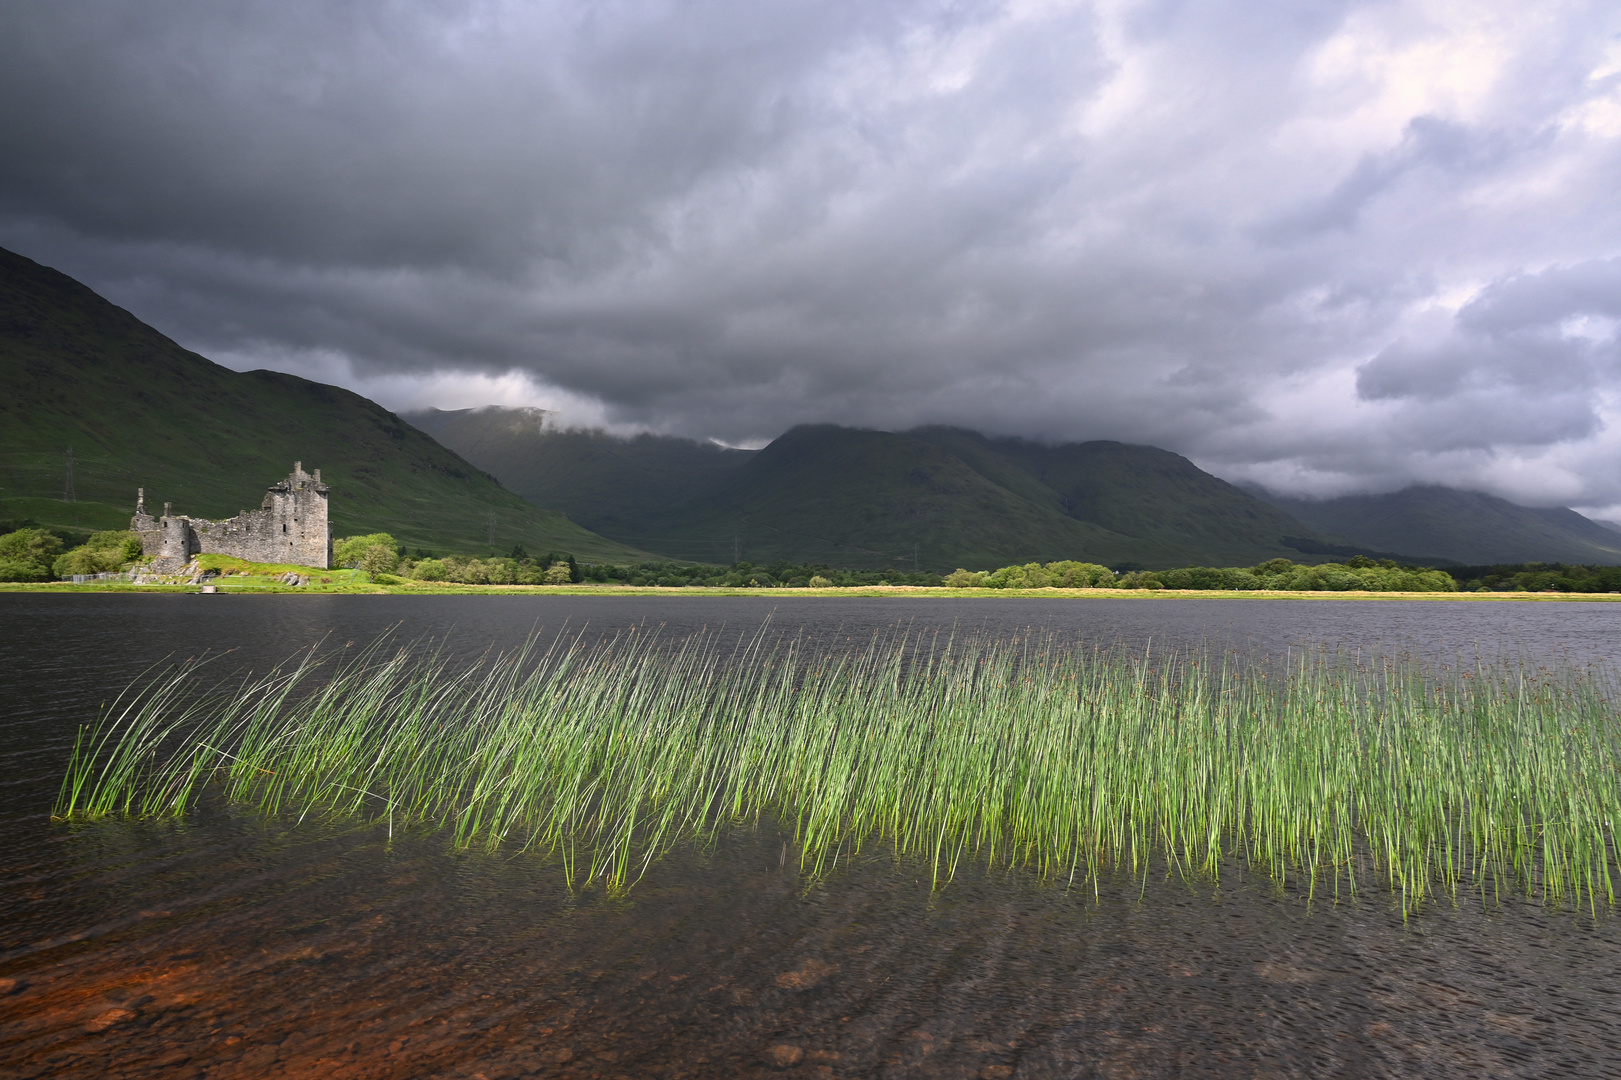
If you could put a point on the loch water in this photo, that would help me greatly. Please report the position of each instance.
(228, 944)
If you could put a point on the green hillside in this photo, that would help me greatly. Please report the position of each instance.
(873, 498)
(943, 497)
(607, 484)
(1160, 499)
(140, 411)
(1467, 526)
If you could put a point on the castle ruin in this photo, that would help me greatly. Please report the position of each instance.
(290, 526)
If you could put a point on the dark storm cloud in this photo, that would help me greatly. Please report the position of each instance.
(1326, 246)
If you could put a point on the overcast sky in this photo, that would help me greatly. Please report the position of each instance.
(1326, 246)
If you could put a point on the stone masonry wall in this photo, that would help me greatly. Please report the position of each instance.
(290, 526)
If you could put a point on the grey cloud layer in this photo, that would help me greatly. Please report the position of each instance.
(1323, 245)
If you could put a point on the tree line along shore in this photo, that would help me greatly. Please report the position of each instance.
(32, 554)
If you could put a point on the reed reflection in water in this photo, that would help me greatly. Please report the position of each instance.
(324, 952)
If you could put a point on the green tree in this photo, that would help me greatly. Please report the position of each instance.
(379, 559)
(103, 553)
(27, 555)
(1008, 577)
(1069, 574)
(1234, 577)
(430, 570)
(375, 553)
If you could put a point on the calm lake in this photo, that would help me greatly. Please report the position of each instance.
(229, 945)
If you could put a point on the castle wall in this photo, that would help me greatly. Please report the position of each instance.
(290, 526)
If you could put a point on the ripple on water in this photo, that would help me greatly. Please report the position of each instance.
(323, 950)
(230, 946)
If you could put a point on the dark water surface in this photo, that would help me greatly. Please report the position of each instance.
(228, 945)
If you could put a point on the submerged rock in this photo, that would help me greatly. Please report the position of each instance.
(784, 1055)
(110, 1018)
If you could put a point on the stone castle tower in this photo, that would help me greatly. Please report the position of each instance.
(290, 526)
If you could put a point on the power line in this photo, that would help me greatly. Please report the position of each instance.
(67, 490)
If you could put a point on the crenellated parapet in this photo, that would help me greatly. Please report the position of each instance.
(290, 526)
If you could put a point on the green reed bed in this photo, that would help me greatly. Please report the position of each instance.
(1020, 752)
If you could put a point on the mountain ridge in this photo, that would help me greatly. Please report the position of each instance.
(935, 497)
(1470, 527)
(139, 410)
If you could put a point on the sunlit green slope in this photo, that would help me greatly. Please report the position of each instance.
(140, 411)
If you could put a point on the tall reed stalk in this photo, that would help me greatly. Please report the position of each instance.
(1018, 751)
